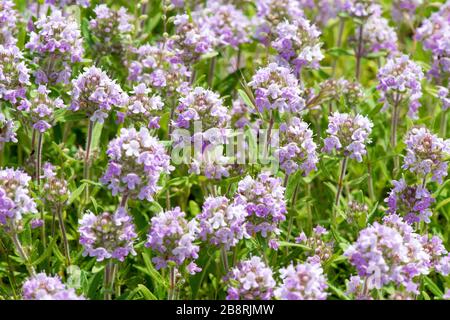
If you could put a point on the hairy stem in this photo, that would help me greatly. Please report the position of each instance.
(87, 162)
(443, 125)
(108, 280)
(340, 184)
(63, 233)
(21, 251)
(212, 69)
(359, 53)
(339, 43)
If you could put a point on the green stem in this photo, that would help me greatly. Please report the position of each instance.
(359, 53)
(212, 69)
(339, 43)
(21, 251)
(340, 186)
(443, 126)
(108, 284)
(87, 162)
(63, 233)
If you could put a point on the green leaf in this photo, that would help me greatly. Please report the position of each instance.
(46, 253)
(146, 292)
(432, 286)
(75, 195)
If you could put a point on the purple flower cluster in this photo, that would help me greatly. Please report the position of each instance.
(172, 238)
(14, 74)
(444, 96)
(240, 113)
(426, 154)
(41, 108)
(412, 202)
(305, 281)
(222, 223)
(379, 36)
(64, 3)
(298, 44)
(400, 81)
(107, 236)
(8, 20)
(361, 9)
(56, 44)
(154, 66)
(322, 11)
(7, 130)
(434, 33)
(111, 30)
(270, 13)
(299, 151)
(55, 189)
(199, 104)
(137, 161)
(405, 9)
(348, 135)
(142, 108)
(264, 201)
(43, 287)
(390, 252)
(228, 24)
(276, 88)
(14, 195)
(95, 94)
(321, 250)
(190, 41)
(250, 280)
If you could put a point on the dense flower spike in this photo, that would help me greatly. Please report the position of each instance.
(361, 9)
(95, 94)
(221, 222)
(14, 195)
(426, 154)
(107, 236)
(172, 238)
(229, 25)
(142, 108)
(190, 41)
(434, 33)
(298, 150)
(412, 202)
(55, 189)
(56, 44)
(276, 88)
(404, 10)
(390, 252)
(111, 30)
(14, 74)
(321, 249)
(250, 280)
(263, 199)
(444, 96)
(400, 81)
(41, 108)
(298, 44)
(43, 287)
(272, 12)
(8, 21)
(7, 130)
(303, 282)
(379, 36)
(137, 161)
(63, 3)
(348, 135)
(154, 66)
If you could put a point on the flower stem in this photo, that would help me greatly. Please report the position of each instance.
(340, 186)
(38, 181)
(87, 163)
(212, 69)
(443, 127)
(359, 53)
(21, 251)
(224, 255)
(394, 125)
(108, 280)
(171, 291)
(63, 233)
(123, 202)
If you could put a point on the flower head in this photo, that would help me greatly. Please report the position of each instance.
(172, 238)
(222, 223)
(348, 135)
(96, 94)
(8, 23)
(302, 282)
(7, 130)
(400, 80)
(426, 153)
(107, 236)
(276, 88)
(43, 287)
(14, 74)
(14, 195)
(137, 161)
(56, 44)
(413, 202)
(250, 280)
